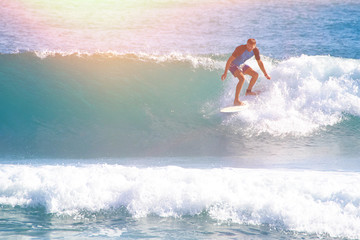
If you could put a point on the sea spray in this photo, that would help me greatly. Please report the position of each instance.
(306, 94)
(311, 201)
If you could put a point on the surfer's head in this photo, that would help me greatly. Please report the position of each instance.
(251, 44)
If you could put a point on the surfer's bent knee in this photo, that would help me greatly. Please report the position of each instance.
(240, 76)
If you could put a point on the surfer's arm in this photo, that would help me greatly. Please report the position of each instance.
(229, 61)
(261, 65)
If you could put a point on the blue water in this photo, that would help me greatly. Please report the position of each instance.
(112, 129)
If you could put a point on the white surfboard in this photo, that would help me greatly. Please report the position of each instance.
(234, 109)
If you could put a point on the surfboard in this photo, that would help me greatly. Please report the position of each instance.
(234, 109)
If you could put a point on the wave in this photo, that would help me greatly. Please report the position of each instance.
(116, 104)
(303, 201)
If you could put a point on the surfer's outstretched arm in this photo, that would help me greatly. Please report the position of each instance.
(261, 65)
(229, 61)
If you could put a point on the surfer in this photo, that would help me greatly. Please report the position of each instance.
(236, 65)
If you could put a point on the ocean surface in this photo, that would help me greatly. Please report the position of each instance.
(110, 123)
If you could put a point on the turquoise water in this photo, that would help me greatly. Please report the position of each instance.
(112, 128)
(102, 106)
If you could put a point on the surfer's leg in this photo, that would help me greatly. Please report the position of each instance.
(254, 76)
(241, 78)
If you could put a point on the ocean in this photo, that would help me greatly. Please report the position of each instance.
(110, 123)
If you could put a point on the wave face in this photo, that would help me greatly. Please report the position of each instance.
(109, 104)
(303, 201)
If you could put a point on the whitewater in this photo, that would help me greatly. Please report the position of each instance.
(110, 123)
(277, 198)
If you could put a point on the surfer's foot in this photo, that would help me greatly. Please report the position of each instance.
(238, 103)
(249, 92)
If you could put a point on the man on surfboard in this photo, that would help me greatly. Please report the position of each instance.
(236, 65)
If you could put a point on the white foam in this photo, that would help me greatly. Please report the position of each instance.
(305, 201)
(109, 232)
(196, 61)
(305, 94)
